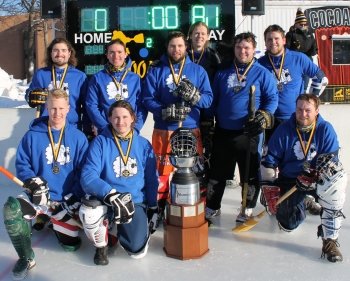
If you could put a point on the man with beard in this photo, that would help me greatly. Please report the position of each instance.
(305, 151)
(172, 107)
(299, 38)
(60, 73)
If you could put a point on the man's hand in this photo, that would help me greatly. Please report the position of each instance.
(175, 112)
(152, 215)
(122, 205)
(37, 97)
(187, 91)
(39, 190)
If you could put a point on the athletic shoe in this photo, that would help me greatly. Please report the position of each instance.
(210, 213)
(283, 228)
(244, 216)
(21, 268)
(312, 206)
(330, 249)
(101, 257)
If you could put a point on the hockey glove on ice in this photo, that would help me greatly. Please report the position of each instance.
(175, 112)
(152, 215)
(37, 97)
(122, 205)
(307, 181)
(262, 120)
(187, 92)
(67, 208)
(39, 190)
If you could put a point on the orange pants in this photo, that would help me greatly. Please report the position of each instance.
(162, 149)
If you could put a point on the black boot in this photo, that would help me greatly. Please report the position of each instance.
(101, 257)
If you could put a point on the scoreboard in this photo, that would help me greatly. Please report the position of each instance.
(142, 25)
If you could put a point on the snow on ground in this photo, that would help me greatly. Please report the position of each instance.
(12, 91)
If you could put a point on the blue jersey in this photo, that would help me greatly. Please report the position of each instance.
(286, 152)
(35, 158)
(296, 64)
(105, 169)
(158, 92)
(231, 98)
(75, 84)
(103, 91)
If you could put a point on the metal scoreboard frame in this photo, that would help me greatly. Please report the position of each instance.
(142, 25)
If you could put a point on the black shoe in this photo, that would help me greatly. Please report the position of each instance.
(330, 249)
(101, 257)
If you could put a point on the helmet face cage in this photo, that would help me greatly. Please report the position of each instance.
(327, 165)
(183, 143)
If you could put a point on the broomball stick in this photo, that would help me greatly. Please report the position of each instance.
(250, 223)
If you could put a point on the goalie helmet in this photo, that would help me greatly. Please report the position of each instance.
(331, 181)
(183, 143)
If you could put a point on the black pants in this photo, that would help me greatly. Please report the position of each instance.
(230, 148)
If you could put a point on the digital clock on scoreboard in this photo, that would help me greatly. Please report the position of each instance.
(142, 25)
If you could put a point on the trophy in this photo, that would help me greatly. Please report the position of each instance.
(186, 230)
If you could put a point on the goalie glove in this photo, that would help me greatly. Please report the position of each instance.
(262, 120)
(37, 97)
(152, 215)
(175, 112)
(122, 205)
(307, 181)
(67, 208)
(39, 190)
(187, 92)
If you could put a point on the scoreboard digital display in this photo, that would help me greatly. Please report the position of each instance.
(142, 25)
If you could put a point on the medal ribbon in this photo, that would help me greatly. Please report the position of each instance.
(53, 73)
(200, 57)
(117, 84)
(54, 149)
(279, 72)
(241, 77)
(306, 149)
(177, 80)
(125, 157)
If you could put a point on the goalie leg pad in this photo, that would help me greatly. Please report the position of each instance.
(331, 221)
(93, 215)
(18, 229)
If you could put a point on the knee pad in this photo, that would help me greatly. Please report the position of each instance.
(93, 215)
(17, 228)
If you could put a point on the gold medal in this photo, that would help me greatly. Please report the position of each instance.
(280, 87)
(55, 169)
(126, 173)
(236, 89)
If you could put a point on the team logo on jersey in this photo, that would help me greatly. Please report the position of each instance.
(234, 83)
(117, 93)
(128, 170)
(299, 154)
(63, 155)
(170, 81)
(285, 76)
(64, 86)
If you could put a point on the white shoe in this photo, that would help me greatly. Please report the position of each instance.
(243, 217)
(210, 213)
(232, 183)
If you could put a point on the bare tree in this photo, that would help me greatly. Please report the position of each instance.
(32, 8)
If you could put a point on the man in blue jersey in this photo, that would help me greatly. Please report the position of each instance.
(60, 73)
(236, 138)
(172, 107)
(288, 68)
(304, 149)
(49, 159)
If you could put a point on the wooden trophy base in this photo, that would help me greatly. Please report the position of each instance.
(186, 231)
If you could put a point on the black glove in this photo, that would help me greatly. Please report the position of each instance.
(67, 208)
(122, 204)
(187, 92)
(37, 97)
(153, 222)
(262, 120)
(307, 181)
(39, 190)
(175, 112)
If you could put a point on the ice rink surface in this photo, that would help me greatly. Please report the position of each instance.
(264, 253)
